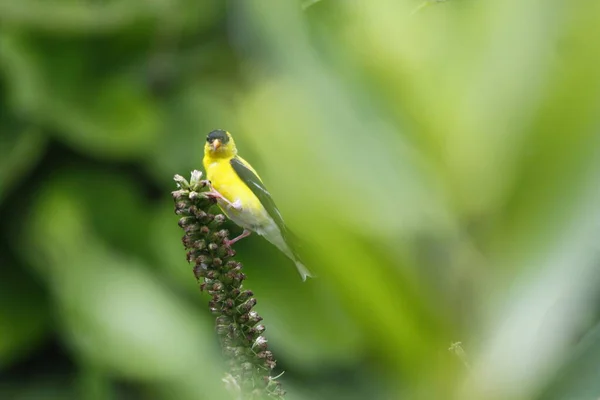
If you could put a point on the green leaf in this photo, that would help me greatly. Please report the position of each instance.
(579, 378)
(113, 205)
(192, 113)
(24, 312)
(41, 388)
(86, 17)
(19, 152)
(111, 115)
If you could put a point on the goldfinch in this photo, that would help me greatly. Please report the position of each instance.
(243, 197)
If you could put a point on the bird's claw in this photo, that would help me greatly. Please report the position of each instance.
(215, 195)
(230, 251)
(212, 195)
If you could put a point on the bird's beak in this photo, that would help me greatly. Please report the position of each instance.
(216, 144)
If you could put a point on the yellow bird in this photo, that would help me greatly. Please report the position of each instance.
(243, 197)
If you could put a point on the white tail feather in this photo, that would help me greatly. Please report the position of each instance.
(304, 272)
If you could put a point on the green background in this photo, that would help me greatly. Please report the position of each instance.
(440, 160)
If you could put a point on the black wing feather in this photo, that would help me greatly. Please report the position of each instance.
(258, 188)
(260, 191)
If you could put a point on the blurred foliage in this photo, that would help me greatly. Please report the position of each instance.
(441, 163)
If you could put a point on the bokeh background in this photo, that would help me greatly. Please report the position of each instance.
(441, 161)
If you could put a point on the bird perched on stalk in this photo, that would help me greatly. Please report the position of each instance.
(243, 197)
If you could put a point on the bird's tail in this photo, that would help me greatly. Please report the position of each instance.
(293, 243)
(304, 272)
(287, 245)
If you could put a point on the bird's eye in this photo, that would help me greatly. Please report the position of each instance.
(208, 139)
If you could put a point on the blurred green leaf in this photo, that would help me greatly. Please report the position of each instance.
(124, 228)
(111, 115)
(24, 313)
(19, 152)
(579, 378)
(40, 389)
(564, 143)
(190, 114)
(305, 323)
(62, 16)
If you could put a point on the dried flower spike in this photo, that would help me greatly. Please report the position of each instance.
(237, 325)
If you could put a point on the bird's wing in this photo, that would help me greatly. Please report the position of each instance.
(251, 179)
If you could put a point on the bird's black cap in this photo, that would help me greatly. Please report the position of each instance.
(218, 134)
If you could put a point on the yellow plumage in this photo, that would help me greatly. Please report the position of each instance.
(242, 196)
(226, 181)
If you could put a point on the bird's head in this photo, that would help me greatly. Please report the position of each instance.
(220, 144)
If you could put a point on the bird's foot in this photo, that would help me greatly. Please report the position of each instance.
(244, 234)
(213, 194)
(230, 252)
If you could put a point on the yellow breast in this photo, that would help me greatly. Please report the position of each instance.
(226, 181)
